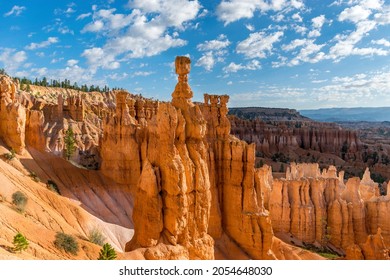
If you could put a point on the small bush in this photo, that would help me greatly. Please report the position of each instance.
(95, 236)
(51, 185)
(20, 242)
(66, 242)
(19, 199)
(107, 253)
(11, 155)
(34, 176)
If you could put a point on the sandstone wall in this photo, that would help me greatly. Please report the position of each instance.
(271, 138)
(318, 208)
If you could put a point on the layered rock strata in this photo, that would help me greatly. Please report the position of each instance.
(318, 208)
(282, 136)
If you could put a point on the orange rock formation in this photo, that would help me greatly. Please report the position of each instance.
(196, 192)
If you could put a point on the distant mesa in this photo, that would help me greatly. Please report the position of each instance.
(373, 114)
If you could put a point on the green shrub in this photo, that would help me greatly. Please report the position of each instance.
(70, 143)
(11, 155)
(34, 176)
(20, 242)
(19, 199)
(51, 185)
(66, 242)
(107, 253)
(95, 236)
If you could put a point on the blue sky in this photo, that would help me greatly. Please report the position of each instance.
(270, 53)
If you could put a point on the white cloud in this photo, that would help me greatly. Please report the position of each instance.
(72, 62)
(83, 16)
(372, 87)
(233, 67)
(308, 52)
(250, 27)
(314, 33)
(142, 73)
(318, 22)
(213, 52)
(297, 17)
(383, 17)
(382, 41)
(258, 44)
(172, 13)
(207, 61)
(294, 44)
(94, 26)
(213, 45)
(16, 10)
(40, 72)
(150, 28)
(355, 14)
(97, 57)
(118, 77)
(299, 29)
(12, 59)
(345, 45)
(229, 11)
(44, 44)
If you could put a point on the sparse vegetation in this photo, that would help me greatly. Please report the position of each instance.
(51, 185)
(11, 155)
(95, 236)
(34, 177)
(69, 141)
(20, 242)
(260, 164)
(280, 157)
(62, 84)
(19, 199)
(107, 253)
(376, 177)
(66, 242)
(322, 251)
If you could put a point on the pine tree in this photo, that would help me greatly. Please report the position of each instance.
(69, 141)
(107, 252)
(20, 242)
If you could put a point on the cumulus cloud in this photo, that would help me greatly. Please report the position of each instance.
(355, 14)
(346, 44)
(72, 62)
(318, 22)
(207, 61)
(382, 41)
(98, 57)
(233, 67)
(11, 58)
(213, 52)
(16, 10)
(229, 11)
(258, 44)
(297, 17)
(44, 44)
(150, 28)
(214, 45)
